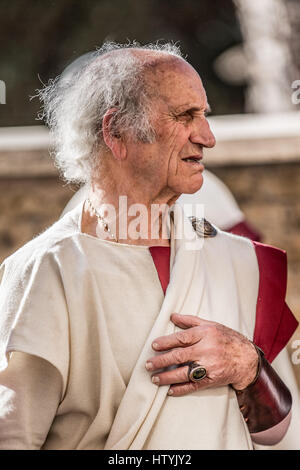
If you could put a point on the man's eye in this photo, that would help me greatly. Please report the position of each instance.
(187, 116)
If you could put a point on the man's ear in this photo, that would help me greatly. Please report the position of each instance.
(113, 141)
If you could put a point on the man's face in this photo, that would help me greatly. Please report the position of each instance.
(172, 164)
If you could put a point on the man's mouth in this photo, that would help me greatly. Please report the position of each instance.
(195, 159)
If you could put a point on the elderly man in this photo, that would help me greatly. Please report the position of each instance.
(126, 332)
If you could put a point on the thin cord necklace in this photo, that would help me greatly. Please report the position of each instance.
(102, 220)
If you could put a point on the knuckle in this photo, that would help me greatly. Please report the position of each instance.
(183, 337)
(185, 389)
(214, 333)
(199, 329)
(194, 351)
(194, 386)
(164, 360)
(218, 376)
(195, 319)
(159, 361)
(178, 356)
(180, 375)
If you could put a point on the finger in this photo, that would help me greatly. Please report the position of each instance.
(174, 376)
(178, 390)
(180, 339)
(187, 321)
(176, 356)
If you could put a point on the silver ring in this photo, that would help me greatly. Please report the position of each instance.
(196, 372)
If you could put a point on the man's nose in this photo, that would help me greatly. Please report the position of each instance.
(202, 134)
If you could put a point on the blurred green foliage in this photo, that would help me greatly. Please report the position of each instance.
(39, 38)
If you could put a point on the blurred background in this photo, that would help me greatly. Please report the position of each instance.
(248, 55)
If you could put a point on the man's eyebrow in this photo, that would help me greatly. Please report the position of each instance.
(192, 109)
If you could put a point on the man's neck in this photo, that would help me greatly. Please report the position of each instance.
(132, 216)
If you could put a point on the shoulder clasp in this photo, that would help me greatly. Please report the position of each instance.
(202, 227)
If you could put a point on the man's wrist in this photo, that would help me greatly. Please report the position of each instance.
(242, 385)
(266, 401)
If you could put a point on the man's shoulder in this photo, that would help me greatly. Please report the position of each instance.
(232, 242)
(46, 244)
(265, 254)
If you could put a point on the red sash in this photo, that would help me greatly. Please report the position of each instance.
(274, 323)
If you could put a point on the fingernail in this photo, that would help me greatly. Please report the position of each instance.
(155, 345)
(155, 380)
(170, 392)
(149, 365)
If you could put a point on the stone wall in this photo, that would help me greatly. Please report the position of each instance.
(269, 195)
(27, 207)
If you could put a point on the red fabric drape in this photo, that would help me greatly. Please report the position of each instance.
(244, 229)
(275, 323)
(161, 258)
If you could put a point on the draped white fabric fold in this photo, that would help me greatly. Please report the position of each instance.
(190, 291)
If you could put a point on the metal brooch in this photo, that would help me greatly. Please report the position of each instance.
(203, 228)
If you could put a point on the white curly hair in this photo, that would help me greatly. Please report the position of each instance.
(73, 104)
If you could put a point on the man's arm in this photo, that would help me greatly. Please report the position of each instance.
(30, 392)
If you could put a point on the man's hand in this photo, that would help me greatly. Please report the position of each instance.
(228, 356)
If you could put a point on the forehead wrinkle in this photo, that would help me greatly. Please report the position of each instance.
(179, 88)
(157, 74)
(159, 65)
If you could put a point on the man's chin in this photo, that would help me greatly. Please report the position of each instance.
(187, 185)
(193, 186)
